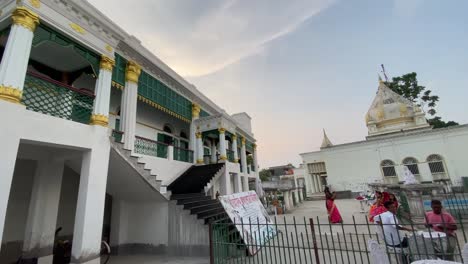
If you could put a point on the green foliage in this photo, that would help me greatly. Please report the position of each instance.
(265, 175)
(407, 86)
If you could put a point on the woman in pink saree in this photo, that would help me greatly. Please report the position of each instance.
(334, 215)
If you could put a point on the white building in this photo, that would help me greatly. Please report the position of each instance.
(399, 135)
(98, 133)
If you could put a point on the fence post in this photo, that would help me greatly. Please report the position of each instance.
(210, 233)
(314, 240)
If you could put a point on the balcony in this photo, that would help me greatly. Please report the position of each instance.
(230, 155)
(44, 95)
(182, 154)
(150, 147)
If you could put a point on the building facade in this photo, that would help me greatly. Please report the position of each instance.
(399, 136)
(100, 137)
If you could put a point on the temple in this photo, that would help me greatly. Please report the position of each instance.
(399, 136)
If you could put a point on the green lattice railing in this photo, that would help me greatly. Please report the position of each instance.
(44, 95)
(184, 155)
(150, 147)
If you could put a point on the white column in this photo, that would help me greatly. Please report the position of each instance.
(234, 147)
(287, 201)
(222, 144)
(313, 183)
(170, 152)
(213, 152)
(199, 148)
(244, 165)
(225, 183)
(102, 90)
(43, 210)
(301, 195)
(129, 104)
(193, 129)
(238, 182)
(255, 160)
(90, 207)
(16, 55)
(8, 158)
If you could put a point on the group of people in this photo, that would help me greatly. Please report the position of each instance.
(384, 213)
(378, 207)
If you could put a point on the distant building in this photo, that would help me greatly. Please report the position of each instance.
(398, 136)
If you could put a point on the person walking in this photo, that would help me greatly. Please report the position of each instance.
(334, 215)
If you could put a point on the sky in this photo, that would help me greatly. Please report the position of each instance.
(298, 67)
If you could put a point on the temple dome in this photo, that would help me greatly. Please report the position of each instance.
(391, 112)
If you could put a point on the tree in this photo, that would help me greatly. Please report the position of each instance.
(265, 175)
(407, 86)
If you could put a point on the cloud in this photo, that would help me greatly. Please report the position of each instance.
(201, 37)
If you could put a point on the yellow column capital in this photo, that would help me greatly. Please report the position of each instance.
(11, 94)
(198, 135)
(26, 18)
(234, 137)
(243, 141)
(106, 63)
(196, 110)
(132, 72)
(221, 130)
(100, 120)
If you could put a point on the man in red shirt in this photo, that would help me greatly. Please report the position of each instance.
(442, 221)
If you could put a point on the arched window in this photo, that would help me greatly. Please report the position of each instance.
(167, 129)
(412, 165)
(183, 134)
(437, 167)
(388, 168)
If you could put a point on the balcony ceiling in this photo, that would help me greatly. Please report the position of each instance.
(58, 57)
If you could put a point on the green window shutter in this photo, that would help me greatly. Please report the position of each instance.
(118, 72)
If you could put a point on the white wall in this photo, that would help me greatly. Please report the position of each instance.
(352, 166)
(135, 222)
(166, 170)
(68, 198)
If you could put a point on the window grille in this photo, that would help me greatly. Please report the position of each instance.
(436, 164)
(388, 168)
(412, 165)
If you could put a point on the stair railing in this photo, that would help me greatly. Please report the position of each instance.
(209, 185)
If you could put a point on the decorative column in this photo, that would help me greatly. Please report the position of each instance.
(234, 146)
(318, 181)
(199, 151)
(214, 159)
(43, 210)
(244, 165)
(286, 199)
(100, 114)
(129, 104)
(16, 55)
(90, 207)
(255, 160)
(193, 129)
(313, 183)
(222, 144)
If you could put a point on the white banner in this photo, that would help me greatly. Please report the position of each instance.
(250, 218)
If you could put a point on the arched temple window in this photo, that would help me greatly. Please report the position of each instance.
(388, 168)
(412, 165)
(437, 167)
(167, 129)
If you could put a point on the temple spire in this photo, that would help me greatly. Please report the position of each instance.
(326, 141)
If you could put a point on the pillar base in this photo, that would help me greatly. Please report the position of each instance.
(11, 94)
(100, 120)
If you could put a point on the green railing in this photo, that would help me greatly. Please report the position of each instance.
(150, 147)
(44, 95)
(182, 154)
(230, 155)
(117, 135)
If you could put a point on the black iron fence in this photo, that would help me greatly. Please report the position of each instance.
(308, 240)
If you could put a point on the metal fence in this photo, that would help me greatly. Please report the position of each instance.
(307, 240)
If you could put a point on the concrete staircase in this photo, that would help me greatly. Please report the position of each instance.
(134, 162)
(204, 207)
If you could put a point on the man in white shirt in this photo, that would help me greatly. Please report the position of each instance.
(391, 227)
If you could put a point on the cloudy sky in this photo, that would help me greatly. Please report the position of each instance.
(301, 66)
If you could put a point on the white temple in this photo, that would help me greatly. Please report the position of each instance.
(399, 136)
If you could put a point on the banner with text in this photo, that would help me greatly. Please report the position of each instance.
(250, 217)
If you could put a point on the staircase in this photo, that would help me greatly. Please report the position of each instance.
(188, 190)
(134, 163)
